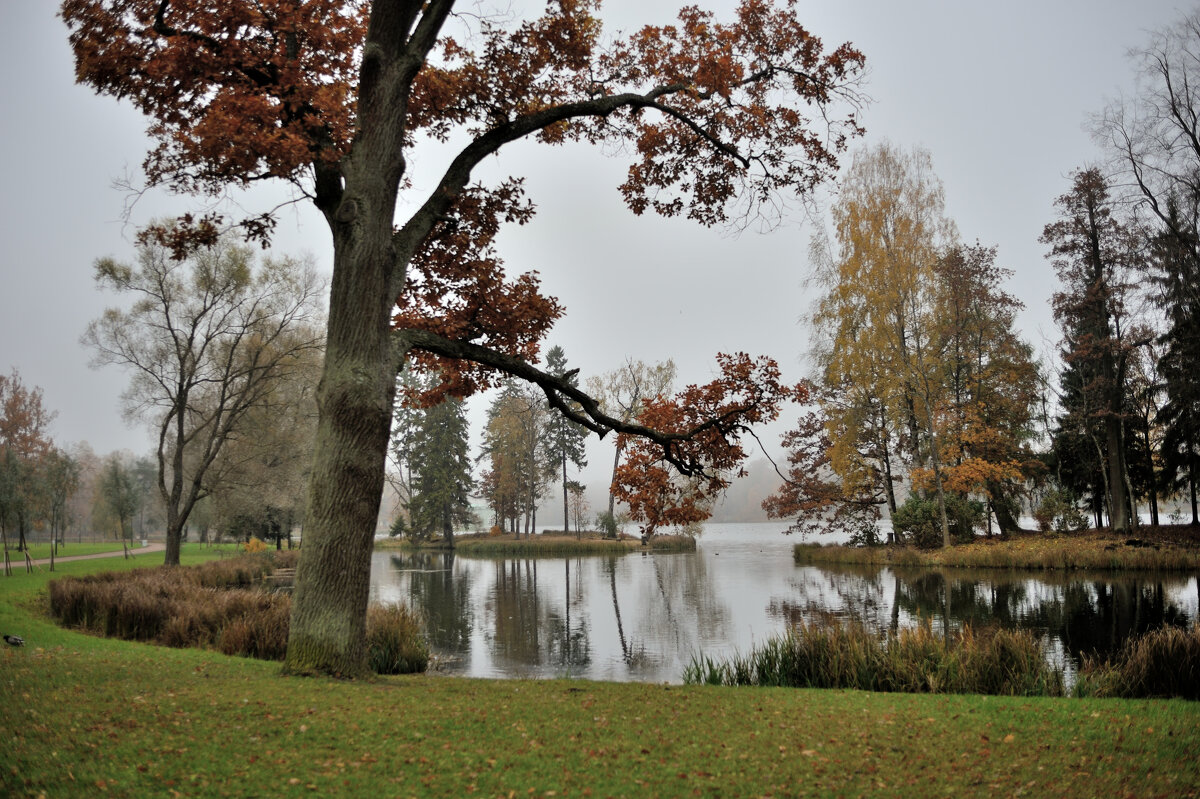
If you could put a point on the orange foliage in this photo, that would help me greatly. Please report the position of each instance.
(705, 425)
(237, 91)
(24, 419)
(457, 288)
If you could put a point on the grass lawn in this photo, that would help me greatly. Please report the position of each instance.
(87, 716)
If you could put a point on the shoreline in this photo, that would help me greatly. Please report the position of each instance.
(548, 544)
(1175, 549)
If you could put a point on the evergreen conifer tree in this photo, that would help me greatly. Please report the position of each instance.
(563, 441)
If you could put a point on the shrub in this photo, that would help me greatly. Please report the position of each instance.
(395, 643)
(213, 606)
(606, 523)
(919, 520)
(261, 631)
(255, 545)
(864, 532)
(173, 606)
(1059, 512)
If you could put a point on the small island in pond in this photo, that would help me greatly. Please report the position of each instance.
(552, 543)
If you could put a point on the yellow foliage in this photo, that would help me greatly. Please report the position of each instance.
(255, 545)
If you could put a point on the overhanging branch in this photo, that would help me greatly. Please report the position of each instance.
(560, 394)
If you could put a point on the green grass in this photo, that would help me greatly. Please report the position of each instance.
(86, 716)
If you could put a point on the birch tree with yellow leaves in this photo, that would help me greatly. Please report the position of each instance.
(921, 373)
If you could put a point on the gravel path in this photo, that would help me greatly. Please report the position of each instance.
(19, 561)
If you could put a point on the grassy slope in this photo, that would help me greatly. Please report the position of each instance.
(84, 715)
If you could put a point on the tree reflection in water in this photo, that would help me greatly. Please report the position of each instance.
(441, 595)
(1079, 614)
(644, 616)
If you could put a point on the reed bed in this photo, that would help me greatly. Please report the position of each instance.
(993, 662)
(395, 641)
(1093, 553)
(1161, 663)
(219, 605)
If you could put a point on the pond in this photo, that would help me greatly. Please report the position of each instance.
(642, 616)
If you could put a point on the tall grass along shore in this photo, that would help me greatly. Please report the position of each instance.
(222, 605)
(1162, 663)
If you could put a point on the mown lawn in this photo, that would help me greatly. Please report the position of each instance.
(86, 716)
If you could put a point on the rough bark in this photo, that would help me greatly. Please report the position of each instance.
(1119, 517)
(355, 398)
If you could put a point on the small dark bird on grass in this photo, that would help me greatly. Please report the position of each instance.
(14, 640)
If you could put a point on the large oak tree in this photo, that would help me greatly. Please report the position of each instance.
(722, 120)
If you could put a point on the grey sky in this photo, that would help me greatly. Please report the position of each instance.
(998, 92)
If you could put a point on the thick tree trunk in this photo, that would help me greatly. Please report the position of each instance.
(174, 537)
(1192, 491)
(1004, 518)
(889, 487)
(1149, 465)
(355, 395)
(612, 497)
(174, 545)
(1118, 497)
(941, 496)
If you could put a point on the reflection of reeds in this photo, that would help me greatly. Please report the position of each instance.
(1102, 553)
(995, 661)
(212, 606)
(1161, 663)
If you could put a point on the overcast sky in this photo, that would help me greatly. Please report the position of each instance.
(998, 92)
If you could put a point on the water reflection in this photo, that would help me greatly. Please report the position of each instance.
(443, 596)
(1078, 613)
(643, 616)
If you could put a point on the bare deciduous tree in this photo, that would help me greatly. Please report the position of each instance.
(206, 340)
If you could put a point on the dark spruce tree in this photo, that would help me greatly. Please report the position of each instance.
(1094, 254)
(1176, 261)
(441, 466)
(563, 441)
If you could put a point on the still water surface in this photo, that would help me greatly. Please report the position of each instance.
(642, 617)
